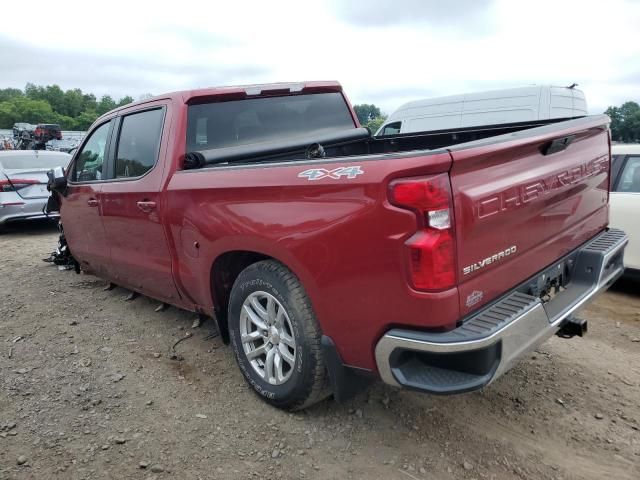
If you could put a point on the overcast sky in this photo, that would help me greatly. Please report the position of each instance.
(383, 51)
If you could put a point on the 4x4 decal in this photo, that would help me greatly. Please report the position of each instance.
(336, 173)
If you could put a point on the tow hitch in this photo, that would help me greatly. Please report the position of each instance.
(573, 326)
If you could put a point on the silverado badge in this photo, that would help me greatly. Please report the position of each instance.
(489, 260)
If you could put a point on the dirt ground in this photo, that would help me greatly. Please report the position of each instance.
(88, 390)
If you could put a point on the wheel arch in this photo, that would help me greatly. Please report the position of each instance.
(225, 269)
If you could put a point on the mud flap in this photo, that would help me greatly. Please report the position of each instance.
(346, 382)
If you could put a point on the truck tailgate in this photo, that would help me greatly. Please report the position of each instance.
(524, 200)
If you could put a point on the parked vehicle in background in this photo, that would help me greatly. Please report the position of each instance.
(21, 128)
(6, 143)
(326, 256)
(494, 107)
(29, 137)
(625, 200)
(23, 182)
(47, 131)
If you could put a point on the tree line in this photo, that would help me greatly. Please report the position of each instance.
(72, 109)
(625, 122)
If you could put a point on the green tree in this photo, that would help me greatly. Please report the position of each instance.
(21, 109)
(375, 123)
(366, 112)
(89, 102)
(125, 101)
(7, 115)
(65, 122)
(625, 122)
(34, 92)
(85, 119)
(74, 103)
(72, 109)
(55, 96)
(9, 93)
(105, 104)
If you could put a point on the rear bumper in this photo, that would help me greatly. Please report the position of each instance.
(25, 209)
(489, 343)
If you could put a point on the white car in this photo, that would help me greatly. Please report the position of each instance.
(23, 182)
(625, 200)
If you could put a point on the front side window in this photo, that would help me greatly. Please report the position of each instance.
(630, 178)
(88, 166)
(265, 119)
(139, 143)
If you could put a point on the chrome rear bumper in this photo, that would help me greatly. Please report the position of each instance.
(486, 345)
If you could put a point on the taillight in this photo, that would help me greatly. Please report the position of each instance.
(431, 251)
(16, 184)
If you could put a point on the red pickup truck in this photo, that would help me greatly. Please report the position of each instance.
(328, 257)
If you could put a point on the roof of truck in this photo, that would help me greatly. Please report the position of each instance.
(240, 91)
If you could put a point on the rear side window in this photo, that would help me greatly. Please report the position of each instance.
(244, 122)
(139, 143)
(88, 166)
(630, 178)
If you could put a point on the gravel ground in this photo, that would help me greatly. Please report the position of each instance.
(88, 390)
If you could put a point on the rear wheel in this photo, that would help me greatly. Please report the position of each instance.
(276, 337)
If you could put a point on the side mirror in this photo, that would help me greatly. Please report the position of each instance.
(57, 180)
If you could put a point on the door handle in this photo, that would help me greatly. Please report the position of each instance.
(146, 206)
(92, 202)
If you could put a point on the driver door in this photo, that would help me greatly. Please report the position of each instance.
(81, 209)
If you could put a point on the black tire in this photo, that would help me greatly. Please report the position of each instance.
(308, 382)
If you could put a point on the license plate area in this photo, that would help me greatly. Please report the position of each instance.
(553, 280)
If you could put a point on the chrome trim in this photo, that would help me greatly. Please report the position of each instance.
(523, 334)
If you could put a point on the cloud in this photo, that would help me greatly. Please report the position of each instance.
(108, 73)
(383, 52)
(450, 14)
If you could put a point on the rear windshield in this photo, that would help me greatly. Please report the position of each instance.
(256, 120)
(34, 161)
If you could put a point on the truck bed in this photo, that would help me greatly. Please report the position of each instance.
(354, 142)
(354, 237)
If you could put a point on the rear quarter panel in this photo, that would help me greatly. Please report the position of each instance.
(339, 236)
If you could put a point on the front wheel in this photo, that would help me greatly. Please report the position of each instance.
(276, 337)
